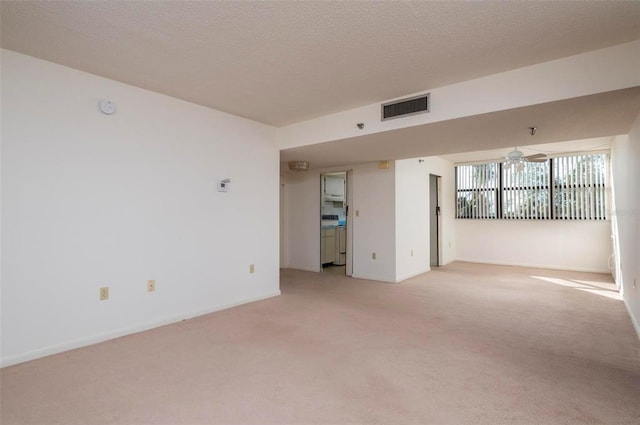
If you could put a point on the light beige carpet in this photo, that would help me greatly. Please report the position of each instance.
(464, 344)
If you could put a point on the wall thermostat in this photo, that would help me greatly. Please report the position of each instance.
(107, 106)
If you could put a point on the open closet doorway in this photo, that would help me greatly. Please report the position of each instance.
(335, 226)
(434, 220)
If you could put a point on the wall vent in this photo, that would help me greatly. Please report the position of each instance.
(402, 108)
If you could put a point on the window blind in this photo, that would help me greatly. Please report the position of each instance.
(563, 188)
(525, 193)
(477, 188)
(580, 187)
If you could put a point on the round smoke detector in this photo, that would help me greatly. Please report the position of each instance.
(107, 106)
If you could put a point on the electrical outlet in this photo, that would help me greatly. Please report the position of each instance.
(373, 255)
(151, 285)
(104, 293)
(412, 252)
(252, 268)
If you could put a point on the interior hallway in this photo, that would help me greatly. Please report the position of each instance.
(463, 344)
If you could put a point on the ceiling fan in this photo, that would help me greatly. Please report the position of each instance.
(515, 155)
(517, 158)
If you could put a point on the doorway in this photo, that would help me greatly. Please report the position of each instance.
(283, 253)
(434, 220)
(335, 228)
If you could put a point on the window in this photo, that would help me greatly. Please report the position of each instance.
(525, 194)
(477, 187)
(563, 188)
(579, 187)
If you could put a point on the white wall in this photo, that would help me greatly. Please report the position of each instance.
(374, 222)
(554, 244)
(373, 228)
(413, 217)
(598, 71)
(625, 170)
(302, 221)
(91, 200)
(392, 218)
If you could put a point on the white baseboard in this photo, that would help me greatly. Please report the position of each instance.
(95, 339)
(373, 277)
(634, 321)
(365, 276)
(535, 266)
(314, 269)
(410, 275)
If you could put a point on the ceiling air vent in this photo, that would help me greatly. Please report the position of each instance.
(401, 108)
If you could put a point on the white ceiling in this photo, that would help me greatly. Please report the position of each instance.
(284, 62)
(550, 149)
(570, 120)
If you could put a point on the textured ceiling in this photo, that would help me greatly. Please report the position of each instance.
(285, 62)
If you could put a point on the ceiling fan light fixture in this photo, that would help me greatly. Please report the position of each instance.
(515, 159)
(514, 155)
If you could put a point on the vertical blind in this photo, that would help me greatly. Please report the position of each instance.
(579, 187)
(477, 191)
(563, 188)
(525, 193)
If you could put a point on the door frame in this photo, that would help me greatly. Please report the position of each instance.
(349, 199)
(438, 225)
(348, 214)
(283, 240)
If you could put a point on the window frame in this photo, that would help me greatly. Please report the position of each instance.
(595, 190)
